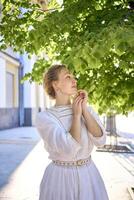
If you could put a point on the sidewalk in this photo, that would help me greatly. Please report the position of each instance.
(23, 161)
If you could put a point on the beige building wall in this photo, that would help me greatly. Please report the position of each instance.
(9, 91)
(13, 69)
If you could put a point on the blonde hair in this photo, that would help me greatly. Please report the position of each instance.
(50, 76)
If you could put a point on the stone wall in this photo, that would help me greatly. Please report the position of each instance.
(9, 118)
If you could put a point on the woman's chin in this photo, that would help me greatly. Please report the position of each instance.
(74, 93)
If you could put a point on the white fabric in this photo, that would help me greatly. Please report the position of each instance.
(69, 183)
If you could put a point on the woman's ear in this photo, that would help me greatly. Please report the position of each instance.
(54, 84)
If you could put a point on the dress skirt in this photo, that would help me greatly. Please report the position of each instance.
(72, 183)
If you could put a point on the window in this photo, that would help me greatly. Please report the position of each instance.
(9, 89)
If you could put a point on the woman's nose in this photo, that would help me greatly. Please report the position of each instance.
(74, 80)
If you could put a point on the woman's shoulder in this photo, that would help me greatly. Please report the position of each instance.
(43, 116)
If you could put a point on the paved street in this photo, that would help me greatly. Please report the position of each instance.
(21, 167)
(23, 161)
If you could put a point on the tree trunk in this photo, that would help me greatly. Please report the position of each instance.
(111, 124)
(111, 129)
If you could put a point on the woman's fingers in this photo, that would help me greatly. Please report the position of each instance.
(83, 93)
(77, 106)
(78, 103)
(76, 100)
(79, 97)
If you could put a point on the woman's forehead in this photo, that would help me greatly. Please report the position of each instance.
(65, 71)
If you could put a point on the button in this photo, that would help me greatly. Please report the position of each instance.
(79, 162)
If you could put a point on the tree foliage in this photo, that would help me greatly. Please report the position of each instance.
(94, 38)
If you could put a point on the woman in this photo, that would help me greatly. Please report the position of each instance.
(69, 131)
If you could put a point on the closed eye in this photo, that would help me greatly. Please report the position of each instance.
(69, 76)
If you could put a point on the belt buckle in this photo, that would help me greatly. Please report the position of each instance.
(79, 162)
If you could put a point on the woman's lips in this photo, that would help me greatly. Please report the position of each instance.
(74, 86)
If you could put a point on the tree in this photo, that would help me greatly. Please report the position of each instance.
(94, 38)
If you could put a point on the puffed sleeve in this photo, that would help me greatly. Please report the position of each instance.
(55, 138)
(98, 141)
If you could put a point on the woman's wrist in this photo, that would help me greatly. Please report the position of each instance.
(84, 109)
(77, 116)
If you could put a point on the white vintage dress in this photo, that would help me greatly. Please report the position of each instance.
(69, 182)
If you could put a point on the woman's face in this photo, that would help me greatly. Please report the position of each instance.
(66, 82)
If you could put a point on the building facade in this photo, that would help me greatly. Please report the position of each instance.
(19, 103)
(9, 91)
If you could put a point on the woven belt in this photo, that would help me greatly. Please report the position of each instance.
(72, 163)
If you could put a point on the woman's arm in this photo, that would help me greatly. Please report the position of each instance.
(91, 123)
(76, 122)
(76, 128)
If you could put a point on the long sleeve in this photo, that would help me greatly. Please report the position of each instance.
(55, 138)
(98, 141)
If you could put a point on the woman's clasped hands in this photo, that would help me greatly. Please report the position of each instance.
(79, 102)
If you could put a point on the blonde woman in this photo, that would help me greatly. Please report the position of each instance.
(69, 131)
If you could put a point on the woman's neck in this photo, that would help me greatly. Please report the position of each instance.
(62, 102)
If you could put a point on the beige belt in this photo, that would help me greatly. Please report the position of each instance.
(72, 163)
